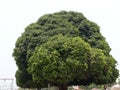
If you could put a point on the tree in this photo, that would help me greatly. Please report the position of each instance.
(69, 25)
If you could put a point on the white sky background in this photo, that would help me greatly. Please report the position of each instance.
(15, 15)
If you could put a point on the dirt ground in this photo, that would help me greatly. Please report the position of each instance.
(116, 88)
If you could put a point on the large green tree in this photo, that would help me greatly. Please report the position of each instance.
(42, 51)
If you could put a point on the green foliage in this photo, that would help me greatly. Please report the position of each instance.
(103, 68)
(63, 48)
(54, 60)
(22, 78)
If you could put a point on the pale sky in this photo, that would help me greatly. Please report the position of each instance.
(15, 15)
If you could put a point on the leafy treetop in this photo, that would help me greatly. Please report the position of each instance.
(44, 49)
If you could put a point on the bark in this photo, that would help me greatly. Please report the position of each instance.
(38, 88)
(105, 86)
(62, 87)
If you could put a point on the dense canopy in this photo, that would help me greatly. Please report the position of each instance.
(63, 48)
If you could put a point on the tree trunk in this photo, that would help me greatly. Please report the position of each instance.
(38, 88)
(62, 87)
(105, 86)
